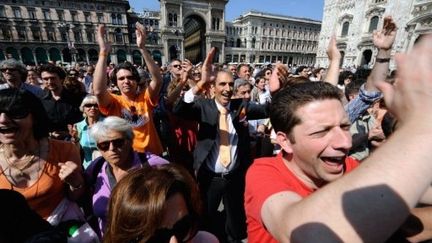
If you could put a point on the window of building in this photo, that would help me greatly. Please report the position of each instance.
(77, 35)
(46, 14)
(7, 34)
(60, 14)
(2, 12)
(36, 33)
(238, 43)
(17, 12)
(253, 43)
(175, 19)
(100, 17)
(118, 35)
(51, 34)
(345, 29)
(170, 19)
(74, 16)
(31, 13)
(90, 35)
(64, 36)
(373, 25)
(114, 18)
(87, 17)
(22, 35)
(119, 19)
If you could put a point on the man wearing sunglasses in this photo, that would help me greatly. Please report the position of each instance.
(132, 105)
(14, 73)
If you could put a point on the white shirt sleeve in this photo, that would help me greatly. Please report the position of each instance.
(189, 96)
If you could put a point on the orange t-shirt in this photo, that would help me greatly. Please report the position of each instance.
(139, 113)
(48, 191)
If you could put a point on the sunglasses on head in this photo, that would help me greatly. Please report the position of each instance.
(91, 105)
(16, 113)
(184, 230)
(117, 143)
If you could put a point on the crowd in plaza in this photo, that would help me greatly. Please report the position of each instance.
(214, 152)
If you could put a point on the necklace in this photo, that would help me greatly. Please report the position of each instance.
(27, 161)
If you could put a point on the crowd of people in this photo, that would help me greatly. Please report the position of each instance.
(218, 152)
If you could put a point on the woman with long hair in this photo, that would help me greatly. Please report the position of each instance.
(156, 204)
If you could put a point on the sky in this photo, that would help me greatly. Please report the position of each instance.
(312, 9)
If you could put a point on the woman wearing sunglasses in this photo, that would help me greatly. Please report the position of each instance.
(44, 171)
(114, 138)
(81, 130)
(158, 204)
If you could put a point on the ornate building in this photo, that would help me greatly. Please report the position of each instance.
(190, 28)
(353, 23)
(151, 20)
(37, 31)
(258, 37)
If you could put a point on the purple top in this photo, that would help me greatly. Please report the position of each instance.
(105, 182)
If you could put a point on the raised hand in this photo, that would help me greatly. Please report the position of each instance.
(70, 173)
(333, 52)
(104, 46)
(207, 71)
(410, 98)
(186, 68)
(141, 35)
(385, 38)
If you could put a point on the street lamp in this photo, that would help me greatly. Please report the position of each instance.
(71, 45)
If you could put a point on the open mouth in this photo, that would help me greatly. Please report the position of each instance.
(5, 130)
(334, 163)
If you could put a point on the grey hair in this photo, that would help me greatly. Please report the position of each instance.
(112, 123)
(88, 99)
(12, 63)
(240, 82)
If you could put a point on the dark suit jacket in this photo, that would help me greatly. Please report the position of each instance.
(206, 113)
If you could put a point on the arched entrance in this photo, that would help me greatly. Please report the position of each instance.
(67, 57)
(366, 58)
(194, 38)
(27, 56)
(121, 56)
(173, 52)
(12, 52)
(136, 57)
(41, 55)
(54, 54)
(157, 56)
(93, 55)
(81, 56)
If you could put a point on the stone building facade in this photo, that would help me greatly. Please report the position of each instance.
(190, 28)
(37, 31)
(258, 37)
(353, 23)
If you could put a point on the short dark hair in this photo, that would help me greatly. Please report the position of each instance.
(353, 87)
(50, 68)
(300, 69)
(11, 99)
(243, 65)
(287, 101)
(127, 66)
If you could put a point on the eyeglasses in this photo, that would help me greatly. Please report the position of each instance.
(10, 69)
(127, 77)
(91, 105)
(117, 143)
(16, 113)
(196, 74)
(184, 230)
(177, 66)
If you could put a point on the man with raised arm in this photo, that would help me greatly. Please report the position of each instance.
(131, 105)
(303, 195)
